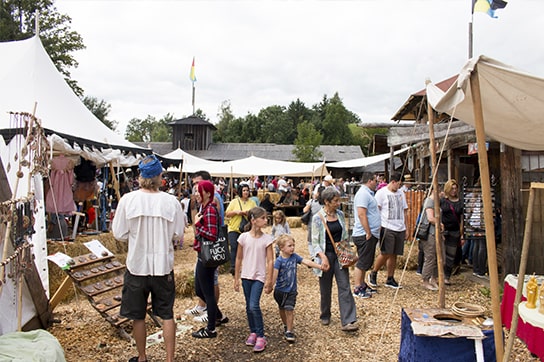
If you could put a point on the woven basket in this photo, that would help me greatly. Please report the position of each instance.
(467, 310)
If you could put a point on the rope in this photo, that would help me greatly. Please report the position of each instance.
(435, 172)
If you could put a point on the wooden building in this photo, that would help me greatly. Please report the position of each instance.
(511, 171)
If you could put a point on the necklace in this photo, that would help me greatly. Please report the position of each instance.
(330, 214)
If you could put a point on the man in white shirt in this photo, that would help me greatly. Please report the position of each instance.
(392, 204)
(150, 220)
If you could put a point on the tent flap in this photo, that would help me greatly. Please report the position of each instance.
(512, 102)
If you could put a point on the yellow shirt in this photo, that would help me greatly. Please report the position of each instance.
(238, 204)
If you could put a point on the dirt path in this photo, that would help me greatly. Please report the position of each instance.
(86, 337)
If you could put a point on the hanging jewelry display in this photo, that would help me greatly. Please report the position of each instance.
(17, 214)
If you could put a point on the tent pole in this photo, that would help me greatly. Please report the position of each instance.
(115, 182)
(488, 213)
(438, 234)
(522, 268)
(180, 176)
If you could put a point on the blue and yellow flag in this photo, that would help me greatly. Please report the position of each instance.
(192, 75)
(488, 6)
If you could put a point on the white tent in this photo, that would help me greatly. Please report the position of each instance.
(365, 161)
(512, 102)
(190, 163)
(261, 166)
(28, 77)
(246, 166)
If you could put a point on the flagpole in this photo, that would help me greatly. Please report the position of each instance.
(193, 80)
(193, 98)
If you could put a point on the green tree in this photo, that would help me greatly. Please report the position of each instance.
(225, 117)
(150, 129)
(17, 22)
(101, 109)
(296, 113)
(307, 143)
(276, 127)
(335, 124)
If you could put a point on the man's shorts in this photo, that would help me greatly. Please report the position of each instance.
(136, 291)
(366, 250)
(286, 300)
(392, 242)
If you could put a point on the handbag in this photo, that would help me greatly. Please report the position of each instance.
(215, 253)
(345, 253)
(244, 222)
(306, 217)
(422, 225)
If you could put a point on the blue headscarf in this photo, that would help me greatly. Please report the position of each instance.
(150, 167)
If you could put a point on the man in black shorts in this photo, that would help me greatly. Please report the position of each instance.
(366, 231)
(392, 204)
(150, 220)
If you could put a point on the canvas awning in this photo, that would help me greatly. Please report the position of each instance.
(29, 78)
(512, 102)
(365, 161)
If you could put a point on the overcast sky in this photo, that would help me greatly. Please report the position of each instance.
(255, 54)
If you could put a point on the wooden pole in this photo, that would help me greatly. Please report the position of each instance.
(180, 177)
(522, 268)
(437, 233)
(115, 182)
(488, 213)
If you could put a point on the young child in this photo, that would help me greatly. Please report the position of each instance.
(254, 265)
(285, 278)
(280, 226)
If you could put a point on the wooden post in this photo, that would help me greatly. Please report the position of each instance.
(488, 213)
(60, 293)
(438, 233)
(115, 182)
(521, 274)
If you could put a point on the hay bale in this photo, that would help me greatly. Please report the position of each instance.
(76, 248)
(185, 283)
(294, 221)
(412, 260)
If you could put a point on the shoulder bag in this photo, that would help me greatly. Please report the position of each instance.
(244, 222)
(215, 253)
(345, 253)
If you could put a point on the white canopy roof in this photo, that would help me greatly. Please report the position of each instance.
(190, 163)
(29, 77)
(246, 167)
(512, 102)
(365, 161)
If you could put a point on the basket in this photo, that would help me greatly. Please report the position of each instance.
(467, 310)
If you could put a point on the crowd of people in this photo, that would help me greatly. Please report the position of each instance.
(262, 262)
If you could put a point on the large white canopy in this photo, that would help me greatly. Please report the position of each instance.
(247, 166)
(190, 163)
(28, 77)
(365, 161)
(512, 102)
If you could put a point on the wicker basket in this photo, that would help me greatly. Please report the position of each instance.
(467, 310)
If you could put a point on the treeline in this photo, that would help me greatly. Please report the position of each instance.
(325, 123)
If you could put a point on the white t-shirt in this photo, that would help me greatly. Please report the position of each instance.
(149, 221)
(392, 206)
(254, 255)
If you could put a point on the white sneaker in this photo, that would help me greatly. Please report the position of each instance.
(196, 311)
(203, 318)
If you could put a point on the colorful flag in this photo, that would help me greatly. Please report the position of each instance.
(488, 6)
(192, 74)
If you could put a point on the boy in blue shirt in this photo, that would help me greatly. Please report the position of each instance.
(285, 278)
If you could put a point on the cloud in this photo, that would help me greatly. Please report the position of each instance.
(261, 53)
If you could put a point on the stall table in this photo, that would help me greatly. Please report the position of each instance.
(530, 323)
(459, 345)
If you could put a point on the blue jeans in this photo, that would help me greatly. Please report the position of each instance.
(253, 289)
(233, 243)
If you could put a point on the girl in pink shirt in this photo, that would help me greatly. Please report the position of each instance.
(254, 266)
